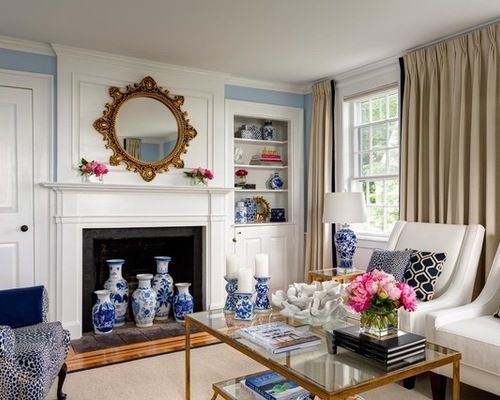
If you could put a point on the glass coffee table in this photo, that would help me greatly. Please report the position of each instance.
(328, 376)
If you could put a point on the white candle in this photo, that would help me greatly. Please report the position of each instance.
(245, 280)
(261, 265)
(231, 266)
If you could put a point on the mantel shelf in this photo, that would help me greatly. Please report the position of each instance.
(104, 187)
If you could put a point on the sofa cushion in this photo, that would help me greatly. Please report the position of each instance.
(393, 262)
(476, 338)
(423, 272)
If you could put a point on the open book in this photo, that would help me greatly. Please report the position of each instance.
(278, 337)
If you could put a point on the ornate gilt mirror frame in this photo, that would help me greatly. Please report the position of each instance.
(106, 125)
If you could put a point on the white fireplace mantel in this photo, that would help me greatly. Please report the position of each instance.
(78, 206)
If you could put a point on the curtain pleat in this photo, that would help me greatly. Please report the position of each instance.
(318, 247)
(450, 171)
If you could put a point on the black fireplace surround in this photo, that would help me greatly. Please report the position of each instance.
(138, 247)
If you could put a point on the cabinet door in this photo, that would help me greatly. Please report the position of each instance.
(275, 241)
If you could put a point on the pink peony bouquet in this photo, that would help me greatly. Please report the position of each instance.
(378, 290)
(92, 168)
(200, 173)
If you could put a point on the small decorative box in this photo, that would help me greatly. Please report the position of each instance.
(278, 215)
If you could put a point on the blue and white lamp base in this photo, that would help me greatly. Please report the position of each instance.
(346, 243)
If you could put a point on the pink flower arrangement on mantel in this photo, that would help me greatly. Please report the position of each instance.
(92, 168)
(380, 290)
(200, 173)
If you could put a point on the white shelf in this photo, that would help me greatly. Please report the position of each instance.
(253, 166)
(262, 190)
(260, 142)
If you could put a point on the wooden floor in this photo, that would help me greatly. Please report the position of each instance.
(99, 358)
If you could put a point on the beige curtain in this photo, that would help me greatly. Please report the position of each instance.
(318, 248)
(134, 147)
(451, 119)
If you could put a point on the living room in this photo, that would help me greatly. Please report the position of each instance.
(71, 79)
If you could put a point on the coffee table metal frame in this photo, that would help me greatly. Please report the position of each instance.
(223, 327)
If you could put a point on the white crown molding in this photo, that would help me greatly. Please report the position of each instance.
(26, 46)
(367, 71)
(275, 86)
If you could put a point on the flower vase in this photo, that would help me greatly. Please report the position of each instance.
(199, 181)
(183, 301)
(144, 301)
(119, 292)
(92, 178)
(379, 322)
(163, 285)
(103, 313)
(241, 180)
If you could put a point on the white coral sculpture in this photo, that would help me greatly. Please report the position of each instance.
(315, 303)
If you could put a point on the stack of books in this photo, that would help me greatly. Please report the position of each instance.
(273, 386)
(267, 157)
(278, 337)
(394, 351)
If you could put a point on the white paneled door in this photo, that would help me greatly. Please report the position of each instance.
(16, 191)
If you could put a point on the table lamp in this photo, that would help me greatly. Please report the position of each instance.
(345, 208)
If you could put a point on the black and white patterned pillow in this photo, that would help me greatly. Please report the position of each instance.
(423, 272)
(393, 262)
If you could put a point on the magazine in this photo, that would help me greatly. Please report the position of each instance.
(273, 386)
(278, 337)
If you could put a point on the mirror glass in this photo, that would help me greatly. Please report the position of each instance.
(146, 129)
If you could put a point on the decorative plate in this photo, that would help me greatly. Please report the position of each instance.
(263, 209)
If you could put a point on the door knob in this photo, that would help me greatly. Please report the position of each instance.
(24, 228)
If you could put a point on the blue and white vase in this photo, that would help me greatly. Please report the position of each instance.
(103, 313)
(183, 301)
(276, 183)
(144, 301)
(118, 287)
(251, 206)
(163, 285)
(346, 243)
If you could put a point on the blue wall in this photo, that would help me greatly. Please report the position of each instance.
(28, 62)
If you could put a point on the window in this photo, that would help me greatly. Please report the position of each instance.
(374, 134)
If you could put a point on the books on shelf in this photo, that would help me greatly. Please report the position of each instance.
(278, 337)
(267, 157)
(402, 347)
(273, 386)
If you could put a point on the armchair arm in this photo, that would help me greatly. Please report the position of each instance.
(7, 342)
(31, 306)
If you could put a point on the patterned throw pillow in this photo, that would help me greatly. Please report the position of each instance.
(423, 272)
(391, 262)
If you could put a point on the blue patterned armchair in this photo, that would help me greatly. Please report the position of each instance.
(32, 351)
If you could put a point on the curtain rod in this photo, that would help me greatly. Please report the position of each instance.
(452, 36)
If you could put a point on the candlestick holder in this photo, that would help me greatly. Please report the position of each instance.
(262, 303)
(244, 309)
(231, 287)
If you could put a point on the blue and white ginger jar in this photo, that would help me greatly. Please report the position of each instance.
(251, 206)
(144, 301)
(163, 285)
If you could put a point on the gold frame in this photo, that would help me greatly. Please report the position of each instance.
(106, 126)
(262, 216)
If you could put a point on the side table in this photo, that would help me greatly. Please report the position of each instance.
(335, 274)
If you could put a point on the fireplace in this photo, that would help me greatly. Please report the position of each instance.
(138, 246)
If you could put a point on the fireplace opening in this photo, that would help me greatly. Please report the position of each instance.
(138, 247)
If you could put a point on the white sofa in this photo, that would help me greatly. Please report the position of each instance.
(475, 332)
(462, 245)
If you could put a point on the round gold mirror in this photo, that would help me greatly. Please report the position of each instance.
(146, 128)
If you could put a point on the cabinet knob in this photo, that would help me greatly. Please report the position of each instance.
(24, 228)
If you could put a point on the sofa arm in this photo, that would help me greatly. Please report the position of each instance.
(7, 341)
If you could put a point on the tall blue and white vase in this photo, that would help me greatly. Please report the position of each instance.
(262, 303)
(251, 206)
(144, 301)
(118, 287)
(163, 285)
(183, 301)
(103, 313)
(244, 309)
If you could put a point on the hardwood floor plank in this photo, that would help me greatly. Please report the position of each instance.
(99, 358)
